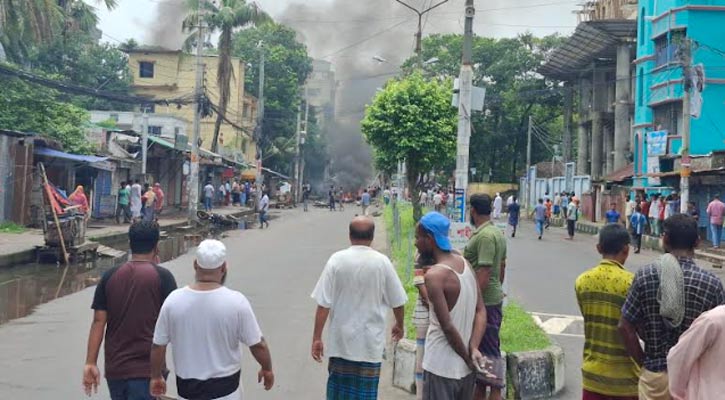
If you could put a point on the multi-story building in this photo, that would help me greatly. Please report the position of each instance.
(164, 74)
(164, 125)
(321, 87)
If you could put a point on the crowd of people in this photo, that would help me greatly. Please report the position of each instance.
(135, 202)
(235, 193)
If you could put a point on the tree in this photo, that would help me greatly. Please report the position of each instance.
(411, 119)
(225, 17)
(31, 108)
(287, 66)
(507, 69)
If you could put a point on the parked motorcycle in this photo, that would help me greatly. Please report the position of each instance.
(218, 222)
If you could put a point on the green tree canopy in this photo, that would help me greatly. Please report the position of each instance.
(287, 66)
(507, 69)
(411, 119)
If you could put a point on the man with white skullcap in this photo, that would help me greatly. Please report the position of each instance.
(204, 324)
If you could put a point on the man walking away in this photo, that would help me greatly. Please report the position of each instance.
(263, 210)
(612, 215)
(557, 204)
(629, 210)
(608, 373)
(365, 202)
(539, 214)
(305, 196)
(644, 204)
(222, 194)
(356, 290)
(637, 222)
(664, 300)
(572, 215)
(135, 200)
(386, 195)
(204, 324)
(208, 196)
(457, 317)
(486, 253)
(126, 304)
(548, 206)
(715, 211)
(514, 210)
(438, 201)
(695, 363)
(123, 199)
(331, 198)
(565, 204)
(497, 205)
(654, 215)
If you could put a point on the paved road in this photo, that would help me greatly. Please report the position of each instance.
(541, 277)
(42, 354)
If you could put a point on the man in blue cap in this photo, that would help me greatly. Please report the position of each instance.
(457, 315)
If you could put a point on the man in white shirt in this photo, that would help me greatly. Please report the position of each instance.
(263, 209)
(208, 196)
(438, 201)
(497, 205)
(204, 323)
(629, 210)
(654, 215)
(356, 289)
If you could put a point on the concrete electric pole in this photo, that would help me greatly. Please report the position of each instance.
(419, 33)
(686, 58)
(144, 141)
(528, 165)
(193, 182)
(260, 123)
(464, 114)
(295, 189)
(303, 138)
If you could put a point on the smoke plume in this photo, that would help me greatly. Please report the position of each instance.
(166, 31)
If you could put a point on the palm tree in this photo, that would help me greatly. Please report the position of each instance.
(224, 16)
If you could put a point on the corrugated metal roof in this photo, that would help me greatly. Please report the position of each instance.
(44, 151)
(591, 41)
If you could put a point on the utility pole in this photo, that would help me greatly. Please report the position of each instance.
(465, 85)
(302, 148)
(528, 165)
(260, 123)
(419, 33)
(295, 188)
(193, 182)
(144, 141)
(686, 58)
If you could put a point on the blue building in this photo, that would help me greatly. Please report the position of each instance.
(663, 27)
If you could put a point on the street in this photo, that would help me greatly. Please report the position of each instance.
(276, 268)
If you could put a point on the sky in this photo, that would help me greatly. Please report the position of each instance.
(496, 18)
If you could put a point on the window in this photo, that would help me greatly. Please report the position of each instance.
(640, 87)
(667, 47)
(642, 16)
(145, 69)
(148, 108)
(668, 117)
(154, 130)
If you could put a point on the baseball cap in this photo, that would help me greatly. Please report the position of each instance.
(437, 225)
(211, 254)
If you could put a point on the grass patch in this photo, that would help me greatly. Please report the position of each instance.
(11, 227)
(402, 253)
(519, 332)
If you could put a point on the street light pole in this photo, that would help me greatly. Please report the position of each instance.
(260, 123)
(464, 113)
(419, 33)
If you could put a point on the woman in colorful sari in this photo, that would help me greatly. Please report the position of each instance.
(78, 198)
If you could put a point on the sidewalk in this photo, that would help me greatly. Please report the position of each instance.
(17, 248)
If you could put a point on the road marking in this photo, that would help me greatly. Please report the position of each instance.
(558, 324)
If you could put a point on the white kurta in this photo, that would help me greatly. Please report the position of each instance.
(497, 204)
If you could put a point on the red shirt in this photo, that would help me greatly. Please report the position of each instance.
(645, 208)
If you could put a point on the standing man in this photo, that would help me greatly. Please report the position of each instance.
(664, 300)
(572, 215)
(497, 206)
(457, 315)
(356, 290)
(695, 363)
(122, 209)
(227, 193)
(423, 198)
(247, 193)
(208, 196)
(365, 202)
(629, 210)
(557, 204)
(204, 324)
(654, 215)
(486, 253)
(613, 215)
(125, 306)
(263, 209)
(331, 198)
(149, 210)
(548, 206)
(514, 210)
(715, 211)
(386, 195)
(135, 200)
(236, 189)
(539, 214)
(159, 202)
(564, 204)
(305, 196)
(421, 319)
(222, 194)
(637, 223)
(438, 201)
(608, 373)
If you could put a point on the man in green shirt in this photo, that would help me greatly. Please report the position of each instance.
(124, 193)
(486, 252)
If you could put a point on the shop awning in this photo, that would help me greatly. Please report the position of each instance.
(161, 142)
(48, 152)
(275, 173)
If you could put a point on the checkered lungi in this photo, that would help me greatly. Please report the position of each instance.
(352, 380)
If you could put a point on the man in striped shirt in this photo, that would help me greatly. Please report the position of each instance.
(608, 372)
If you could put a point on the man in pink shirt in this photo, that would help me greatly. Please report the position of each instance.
(694, 365)
(715, 211)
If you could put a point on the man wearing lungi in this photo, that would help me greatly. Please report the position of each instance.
(486, 253)
(356, 290)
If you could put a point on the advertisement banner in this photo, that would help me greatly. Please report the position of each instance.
(656, 143)
(459, 234)
(459, 212)
(653, 167)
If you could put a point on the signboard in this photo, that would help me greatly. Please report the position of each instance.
(653, 167)
(459, 212)
(656, 144)
(459, 234)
